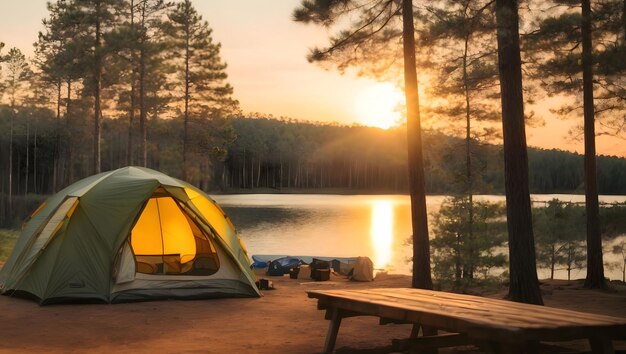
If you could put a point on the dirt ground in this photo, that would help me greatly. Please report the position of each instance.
(283, 321)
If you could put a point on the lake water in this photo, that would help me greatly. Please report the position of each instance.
(377, 226)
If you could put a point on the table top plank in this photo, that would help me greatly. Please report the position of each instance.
(496, 307)
(464, 313)
(504, 303)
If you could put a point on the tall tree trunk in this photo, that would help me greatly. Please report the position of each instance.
(11, 158)
(131, 118)
(595, 265)
(469, 271)
(457, 260)
(131, 112)
(35, 159)
(243, 169)
(524, 285)
(187, 84)
(70, 148)
(142, 90)
(27, 156)
(552, 261)
(97, 87)
(57, 141)
(280, 178)
(419, 219)
(258, 174)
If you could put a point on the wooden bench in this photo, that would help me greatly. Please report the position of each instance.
(499, 326)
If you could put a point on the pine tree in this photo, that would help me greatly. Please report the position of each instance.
(369, 43)
(17, 76)
(53, 58)
(524, 284)
(565, 50)
(149, 59)
(463, 40)
(94, 21)
(203, 73)
(126, 39)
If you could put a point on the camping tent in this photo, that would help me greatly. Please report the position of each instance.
(128, 234)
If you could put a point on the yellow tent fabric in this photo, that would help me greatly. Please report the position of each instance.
(161, 229)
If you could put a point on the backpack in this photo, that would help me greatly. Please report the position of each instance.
(320, 270)
(275, 269)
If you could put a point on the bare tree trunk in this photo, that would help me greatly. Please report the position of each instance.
(469, 272)
(11, 158)
(187, 84)
(57, 143)
(131, 118)
(35, 160)
(595, 264)
(243, 169)
(131, 111)
(524, 285)
(223, 176)
(142, 91)
(421, 249)
(258, 174)
(27, 156)
(552, 261)
(97, 87)
(69, 173)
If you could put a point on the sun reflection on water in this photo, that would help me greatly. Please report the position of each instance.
(381, 232)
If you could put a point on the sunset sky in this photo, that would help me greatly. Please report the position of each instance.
(266, 54)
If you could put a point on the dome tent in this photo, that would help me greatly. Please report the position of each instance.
(124, 235)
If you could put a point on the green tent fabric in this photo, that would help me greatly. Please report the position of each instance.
(83, 244)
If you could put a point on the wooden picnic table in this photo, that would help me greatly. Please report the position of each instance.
(498, 325)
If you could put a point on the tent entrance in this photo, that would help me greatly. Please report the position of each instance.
(165, 240)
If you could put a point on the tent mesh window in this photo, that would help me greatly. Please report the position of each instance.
(165, 240)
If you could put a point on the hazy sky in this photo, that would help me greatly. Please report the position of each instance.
(266, 55)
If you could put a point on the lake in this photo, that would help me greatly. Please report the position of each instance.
(377, 226)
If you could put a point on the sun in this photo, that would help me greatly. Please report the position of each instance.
(379, 105)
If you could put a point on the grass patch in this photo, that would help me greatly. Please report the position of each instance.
(7, 241)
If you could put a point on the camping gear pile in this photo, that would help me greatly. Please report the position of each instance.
(124, 235)
(315, 268)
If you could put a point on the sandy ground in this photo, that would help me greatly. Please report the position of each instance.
(283, 321)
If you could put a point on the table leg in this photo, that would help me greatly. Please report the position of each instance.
(601, 345)
(415, 331)
(333, 330)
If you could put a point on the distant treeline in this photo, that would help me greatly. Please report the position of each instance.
(270, 153)
(290, 154)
